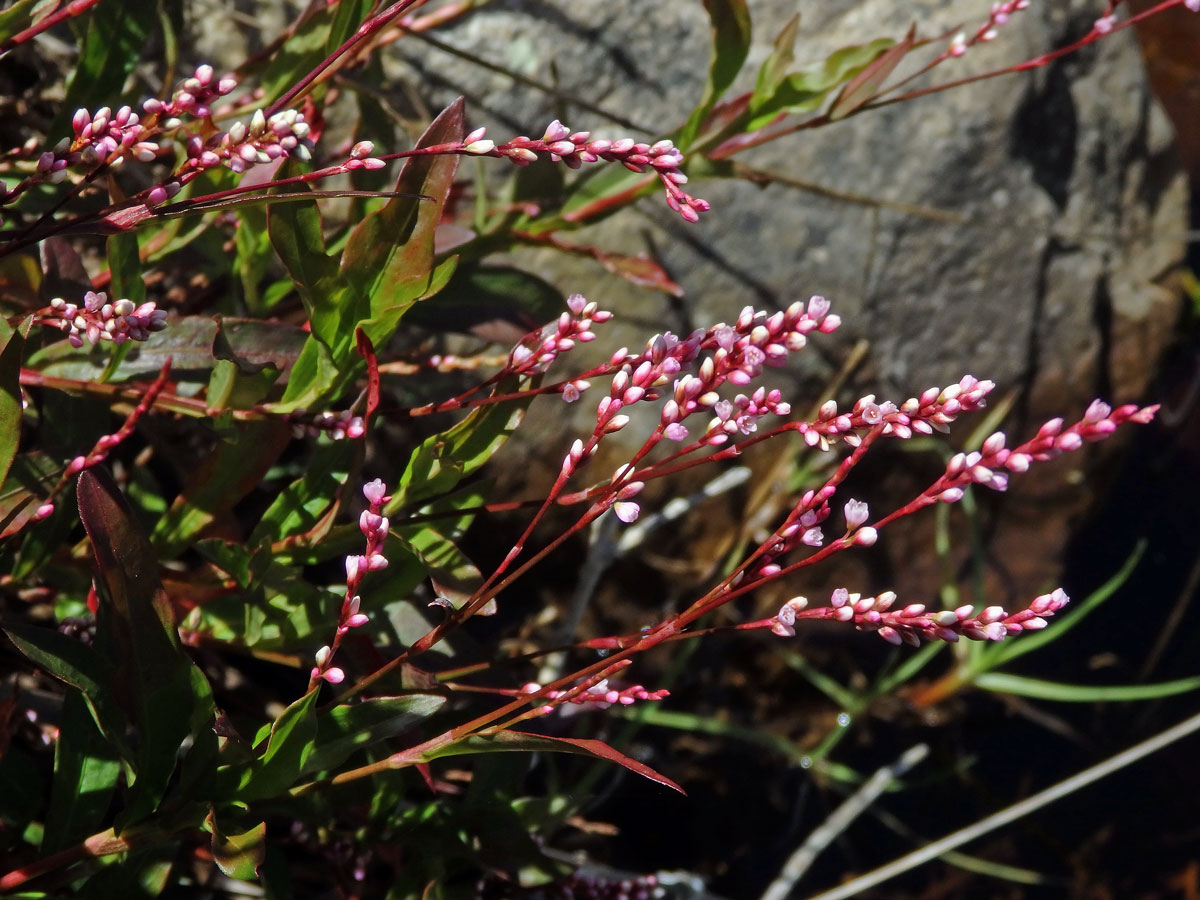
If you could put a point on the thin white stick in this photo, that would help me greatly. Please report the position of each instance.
(839, 820)
(1012, 813)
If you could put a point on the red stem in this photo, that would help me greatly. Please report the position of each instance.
(365, 30)
(72, 9)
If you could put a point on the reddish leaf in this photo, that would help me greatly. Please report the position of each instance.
(867, 83)
(520, 740)
(367, 352)
(154, 678)
(389, 255)
(637, 268)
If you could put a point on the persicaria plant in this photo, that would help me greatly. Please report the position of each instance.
(244, 464)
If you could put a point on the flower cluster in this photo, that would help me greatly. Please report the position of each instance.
(933, 411)
(989, 466)
(338, 425)
(193, 98)
(263, 141)
(984, 466)
(913, 622)
(108, 137)
(572, 327)
(738, 354)
(576, 148)
(374, 526)
(98, 320)
(599, 695)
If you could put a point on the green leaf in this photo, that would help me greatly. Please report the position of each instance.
(238, 855)
(1003, 683)
(86, 768)
(311, 378)
(82, 668)
(12, 351)
(190, 342)
(730, 44)
(775, 67)
(508, 741)
(115, 37)
(308, 502)
(389, 255)
(143, 873)
(125, 267)
(332, 305)
(867, 83)
(805, 90)
(288, 747)
(18, 17)
(252, 254)
(455, 578)
(443, 460)
(317, 37)
(347, 729)
(135, 623)
(224, 477)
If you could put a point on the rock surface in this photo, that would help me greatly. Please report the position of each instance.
(1060, 204)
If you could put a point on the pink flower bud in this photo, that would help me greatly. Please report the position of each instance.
(866, 537)
(626, 511)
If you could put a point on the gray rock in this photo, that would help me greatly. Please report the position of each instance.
(1069, 201)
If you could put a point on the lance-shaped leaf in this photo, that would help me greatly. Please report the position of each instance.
(389, 256)
(154, 679)
(331, 303)
(18, 17)
(349, 728)
(288, 747)
(867, 83)
(153, 676)
(86, 768)
(445, 459)
(505, 741)
(806, 90)
(12, 349)
(304, 510)
(730, 44)
(193, 344)
(80, 666)
(223, 478)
